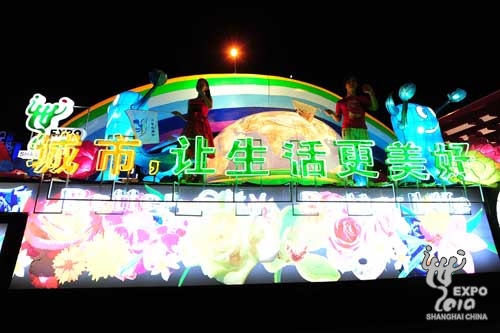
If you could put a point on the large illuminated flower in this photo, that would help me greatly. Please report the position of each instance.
(69, 264)
(226, 246)
(482, 145)
(107, 255)
(304, 230)
(137, 228)
(480, 169)
(58, 230)
(312, 217)
(348, 235)
(144, 235)
(220, 245)
(365, 244)
(296, 250)
(159, 259)
(356, 247)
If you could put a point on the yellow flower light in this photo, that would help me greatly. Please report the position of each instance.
(69, 264)
(106, 255)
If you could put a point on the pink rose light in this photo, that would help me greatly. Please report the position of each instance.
(482, 145)
(359, 244)
(348, 234)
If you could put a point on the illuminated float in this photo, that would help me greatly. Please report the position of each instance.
(300, 227)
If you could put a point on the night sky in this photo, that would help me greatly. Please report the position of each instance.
(90, 54)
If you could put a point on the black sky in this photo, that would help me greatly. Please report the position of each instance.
(90, 53)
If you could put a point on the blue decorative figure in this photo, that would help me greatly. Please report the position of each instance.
(118, 122)
(419, 124)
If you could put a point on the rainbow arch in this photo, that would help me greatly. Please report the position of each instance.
(235, 96)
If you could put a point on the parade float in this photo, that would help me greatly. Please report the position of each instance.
(107, 203)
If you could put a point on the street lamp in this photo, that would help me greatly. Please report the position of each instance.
(234, 54)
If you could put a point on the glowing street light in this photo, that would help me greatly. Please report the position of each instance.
(234, 54)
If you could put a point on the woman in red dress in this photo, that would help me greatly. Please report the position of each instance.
(197, 122)
(197, 118)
